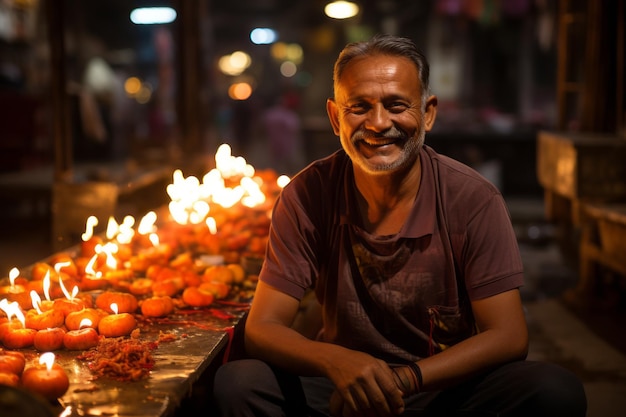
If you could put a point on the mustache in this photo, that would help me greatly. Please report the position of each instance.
(391, 133)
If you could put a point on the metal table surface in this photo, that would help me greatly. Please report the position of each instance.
(201, 338)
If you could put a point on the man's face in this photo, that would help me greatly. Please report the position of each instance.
(377, 113)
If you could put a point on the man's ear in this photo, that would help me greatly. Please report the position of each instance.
(333, 115)
(430, 113)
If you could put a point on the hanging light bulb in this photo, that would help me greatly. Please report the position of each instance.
(341, 9)
(152, 15)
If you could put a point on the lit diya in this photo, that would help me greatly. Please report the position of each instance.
(89, 240)
(9, 321)
(47, 340)
(196, 297)
(12, 323)
(38, 319)
(158, 251)
(92, 278)
(13, 332)
(64, 265)
(157, 306)
(74, 320)
(42, 286)
(9, 379)
(69, 303)
(46, 377)
(83, 338)
(141, 286)
(125, 302)
(19, 338)
(116, 324)
(12, 362)
(14, 291)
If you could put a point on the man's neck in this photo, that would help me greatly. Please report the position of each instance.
(385, 201)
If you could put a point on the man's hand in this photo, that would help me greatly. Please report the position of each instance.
(365, 386)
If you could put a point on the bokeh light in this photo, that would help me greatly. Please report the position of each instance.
(263, 36)
(240, 91)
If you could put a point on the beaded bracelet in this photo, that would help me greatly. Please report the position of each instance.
(417, 373)
(405, 389)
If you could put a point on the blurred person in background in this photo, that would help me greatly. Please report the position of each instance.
(284, 134)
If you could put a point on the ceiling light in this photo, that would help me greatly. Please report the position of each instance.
(341, 9)
(152, 15)
(263, 36)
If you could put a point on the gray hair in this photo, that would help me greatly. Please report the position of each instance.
(385, 45)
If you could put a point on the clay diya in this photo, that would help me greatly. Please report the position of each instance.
(46, 378)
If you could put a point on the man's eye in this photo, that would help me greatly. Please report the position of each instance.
(358, 108)
(397, 107)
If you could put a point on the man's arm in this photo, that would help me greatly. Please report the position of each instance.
(502, 337)
(363, 381)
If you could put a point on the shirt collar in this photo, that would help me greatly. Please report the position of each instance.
(421, 220)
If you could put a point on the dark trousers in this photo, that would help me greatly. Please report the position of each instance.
(250, 387)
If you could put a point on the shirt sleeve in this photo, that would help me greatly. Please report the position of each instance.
(491, 259)
(291, 259)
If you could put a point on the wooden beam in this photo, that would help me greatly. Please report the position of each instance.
(61, 128)
(189, 68)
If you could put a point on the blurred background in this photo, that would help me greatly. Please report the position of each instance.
(182, 87)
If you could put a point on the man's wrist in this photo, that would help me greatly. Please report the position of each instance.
(402, 376)
(416, 372)
(408, 378)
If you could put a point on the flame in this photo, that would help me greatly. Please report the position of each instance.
(190, 198)
(146, 224)
(47, 359)
(89, 268)
(108, 249)
(60, 265)
(199, 211)
(210, 222)
(254, 195)
(18, 313)
(63, 289)
(85, 323)
(125, 231)
(114, 308)
(228, 197)
(46, 285)
(112, 228)
(229, 165)
(35, 301)
(13, 309)
(66, 293)
(13, 274)
(92, 221)
(154, 238)
(6, 307)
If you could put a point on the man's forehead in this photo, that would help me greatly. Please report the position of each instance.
(379, 71)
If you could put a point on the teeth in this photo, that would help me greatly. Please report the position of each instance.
(378, 143)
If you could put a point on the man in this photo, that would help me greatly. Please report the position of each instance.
(414, 263)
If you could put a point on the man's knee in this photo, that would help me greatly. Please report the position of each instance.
(250, 387)
(561, 391)
(236, 380)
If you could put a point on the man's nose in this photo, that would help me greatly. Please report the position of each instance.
(378, 119)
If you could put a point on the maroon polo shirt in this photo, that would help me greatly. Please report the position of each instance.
(400, 297)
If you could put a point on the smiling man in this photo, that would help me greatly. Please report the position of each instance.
(414, 265)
